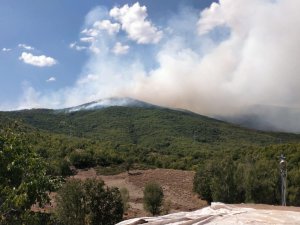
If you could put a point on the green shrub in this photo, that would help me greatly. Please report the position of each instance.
(64, 167)
(125, 198)
(70, 199)
(88, 203)
(153, 198)
(82, 159)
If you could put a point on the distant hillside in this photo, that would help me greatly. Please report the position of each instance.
(165, 134)
(152, 127)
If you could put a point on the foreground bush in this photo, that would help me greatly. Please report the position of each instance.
(153, 198)
(88, 203)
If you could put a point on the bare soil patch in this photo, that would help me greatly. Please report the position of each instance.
(177, 186)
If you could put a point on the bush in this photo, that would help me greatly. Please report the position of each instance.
(70, 203)
(202, 182)
(88, 203)
(59, 167)
(125, 198)
(82, 159)
(64, 168)
(153, 198)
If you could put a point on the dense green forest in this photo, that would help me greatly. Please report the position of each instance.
(158, 137)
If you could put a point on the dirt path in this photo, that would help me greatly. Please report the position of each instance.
(177, 186)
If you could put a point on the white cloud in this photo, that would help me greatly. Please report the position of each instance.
(133, 20)
(51, 79)
(87, 39)
(27, 47)
(120, 49)
(90, 32)
(6, 49)
(77, 47)
(40, 61)
(107, 25)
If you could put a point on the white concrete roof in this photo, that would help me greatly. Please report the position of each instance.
(222, 214)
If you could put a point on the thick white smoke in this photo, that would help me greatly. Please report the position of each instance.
(257, 64)
(235, 55)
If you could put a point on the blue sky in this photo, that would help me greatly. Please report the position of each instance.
(49, 27)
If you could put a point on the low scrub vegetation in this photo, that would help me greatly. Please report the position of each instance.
(153, 198)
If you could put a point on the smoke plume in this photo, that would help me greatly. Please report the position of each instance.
(228, 58)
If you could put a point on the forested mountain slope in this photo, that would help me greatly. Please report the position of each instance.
(118, 137)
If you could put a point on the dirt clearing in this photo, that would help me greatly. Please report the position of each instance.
(177, 186)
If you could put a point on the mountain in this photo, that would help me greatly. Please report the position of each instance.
(126, 121)
(108, 102)
(259, 117)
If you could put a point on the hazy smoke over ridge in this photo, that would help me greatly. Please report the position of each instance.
(236, 54)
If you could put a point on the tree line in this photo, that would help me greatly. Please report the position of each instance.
(252, 176)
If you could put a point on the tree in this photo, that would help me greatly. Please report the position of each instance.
(246, 180)
(88, 203)
(223, 185)
(153, 198)
(202, 181)
(70, 207)
(265, 184)
(23, 179)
